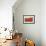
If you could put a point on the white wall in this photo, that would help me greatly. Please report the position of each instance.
(43, 22)
(6, 13)
(31, 31)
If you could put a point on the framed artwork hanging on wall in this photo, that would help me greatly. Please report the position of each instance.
(28, 19)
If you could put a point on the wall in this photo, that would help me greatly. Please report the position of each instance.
(30, 31)
(6, 13)
(43, 22)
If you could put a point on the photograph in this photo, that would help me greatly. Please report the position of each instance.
(29, 19)
(22, 22)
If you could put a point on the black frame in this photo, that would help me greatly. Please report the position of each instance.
(29, 15)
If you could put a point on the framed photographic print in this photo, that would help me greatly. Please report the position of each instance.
(29, 19)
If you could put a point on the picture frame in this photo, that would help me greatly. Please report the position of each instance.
(28, 19)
